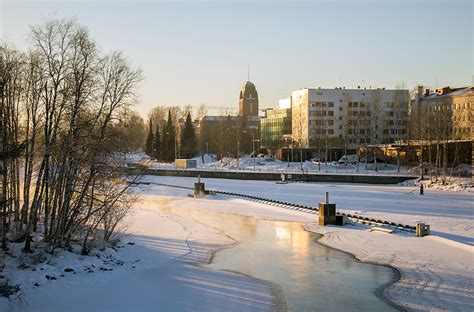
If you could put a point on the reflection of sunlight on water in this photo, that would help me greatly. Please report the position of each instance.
(282, 233)
(284, 253)
(291, 235)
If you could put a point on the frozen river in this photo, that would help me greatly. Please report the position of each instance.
(312, 276)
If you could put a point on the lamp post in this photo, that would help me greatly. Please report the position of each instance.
(288, 154)
(238, 153)
(253, 149)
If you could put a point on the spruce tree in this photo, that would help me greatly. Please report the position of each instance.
(164, 138)
(149, 141)
(157, 144)
(188, 139)
(169, 142)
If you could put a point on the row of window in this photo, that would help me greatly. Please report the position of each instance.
(462, 130)
(462, 105)
(321, 104)
(321, 122)
(393, 122)
(360, 113)
(358, 104)
(463, 117)
(323, 131)
(321, 113)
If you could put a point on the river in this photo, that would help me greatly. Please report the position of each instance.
(312, 276)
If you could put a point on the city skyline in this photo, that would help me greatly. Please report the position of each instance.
(289, 46)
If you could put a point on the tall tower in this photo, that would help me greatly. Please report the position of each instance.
(248, 100)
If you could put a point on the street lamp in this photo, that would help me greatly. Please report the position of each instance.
(253, 149)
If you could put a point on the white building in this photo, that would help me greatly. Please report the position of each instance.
(351, 117)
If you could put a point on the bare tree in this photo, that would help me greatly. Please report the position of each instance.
(63, 111)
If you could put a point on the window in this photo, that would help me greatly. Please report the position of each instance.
(330, 113)
(330, 104)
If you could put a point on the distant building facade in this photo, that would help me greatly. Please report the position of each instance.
(444, 113)
(348, 117)
(274, 126)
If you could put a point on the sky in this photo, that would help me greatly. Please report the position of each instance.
(195, 52)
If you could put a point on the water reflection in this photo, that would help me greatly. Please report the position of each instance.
(312, 276)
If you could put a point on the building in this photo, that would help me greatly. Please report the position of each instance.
(248, 100)
(228, 135)
(444, 113)
(233, 135)
(347, 118)
(274, 126)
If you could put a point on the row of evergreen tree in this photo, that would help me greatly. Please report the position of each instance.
(164, 145)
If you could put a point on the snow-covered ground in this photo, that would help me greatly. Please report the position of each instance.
(157, 267)
(158, 271)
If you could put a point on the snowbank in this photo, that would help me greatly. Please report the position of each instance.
(451, 184)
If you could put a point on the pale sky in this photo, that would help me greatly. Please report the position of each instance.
(195, 52)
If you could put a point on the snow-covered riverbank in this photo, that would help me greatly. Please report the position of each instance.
(162, 256)
(436, 271)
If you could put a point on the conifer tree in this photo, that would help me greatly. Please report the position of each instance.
(169, 140)
(149, 141)
(157, 144)
(164, 137)
(188, 139)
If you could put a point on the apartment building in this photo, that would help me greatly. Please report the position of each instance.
(444, 113)
(348, 117)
